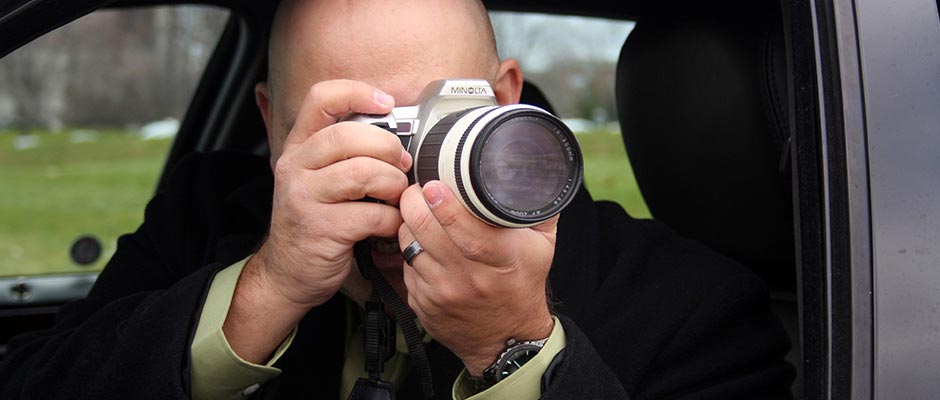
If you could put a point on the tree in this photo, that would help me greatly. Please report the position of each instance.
(31, 78)
(572, 59)
(112, 67)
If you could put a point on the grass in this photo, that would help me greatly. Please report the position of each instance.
(59, 190)
(607, 172)
(98, 183)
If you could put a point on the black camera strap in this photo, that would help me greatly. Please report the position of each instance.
(379, 333)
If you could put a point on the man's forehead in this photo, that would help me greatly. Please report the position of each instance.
(407, 28)
(397, 46)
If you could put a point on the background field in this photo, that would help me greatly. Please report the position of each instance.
(58, 187)
(607, 173)
(55, 192)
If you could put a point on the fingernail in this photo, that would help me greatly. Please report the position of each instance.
(433, 194)
(383, 98)
(405, 159)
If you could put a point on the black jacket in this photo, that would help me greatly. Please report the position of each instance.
(646, 313)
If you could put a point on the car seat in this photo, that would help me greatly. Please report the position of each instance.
(703, 106)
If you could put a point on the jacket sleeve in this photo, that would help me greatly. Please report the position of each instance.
(729, 347)
(652, 315)
(130, 337)
(217, 371)
(132, 347)
(578, 372)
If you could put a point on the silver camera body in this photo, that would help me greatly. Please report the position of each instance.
(513, 166)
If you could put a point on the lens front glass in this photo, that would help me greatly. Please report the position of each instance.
(524, 166)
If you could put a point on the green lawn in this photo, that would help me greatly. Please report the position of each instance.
(59, 190)
(53, 193)
(607, 173)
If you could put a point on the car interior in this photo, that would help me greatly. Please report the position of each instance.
(703, 92)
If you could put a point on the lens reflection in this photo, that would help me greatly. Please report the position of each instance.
(523, 165)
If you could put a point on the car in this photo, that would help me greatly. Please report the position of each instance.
(797, 137)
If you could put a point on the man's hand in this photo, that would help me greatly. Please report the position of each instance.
(325, 167)
(475, 285)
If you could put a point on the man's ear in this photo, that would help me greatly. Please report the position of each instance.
(264, 104)
(508, 86)
(263, 100)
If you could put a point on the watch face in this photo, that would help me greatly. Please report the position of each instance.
(516, 359)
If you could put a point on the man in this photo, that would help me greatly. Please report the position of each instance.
(642, 311)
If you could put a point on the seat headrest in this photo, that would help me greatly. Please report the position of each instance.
(703, 109)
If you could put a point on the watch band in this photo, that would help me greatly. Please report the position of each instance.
(500, 369)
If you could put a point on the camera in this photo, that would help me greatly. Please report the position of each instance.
(513, 166)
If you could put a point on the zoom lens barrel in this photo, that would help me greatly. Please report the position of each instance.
(512, 166)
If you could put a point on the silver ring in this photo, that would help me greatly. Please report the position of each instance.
(412, 251)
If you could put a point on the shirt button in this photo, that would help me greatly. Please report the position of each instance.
(250, 390)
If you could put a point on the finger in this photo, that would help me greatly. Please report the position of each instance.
(427, 229)
(475, 239)
(356, 178)
(327, 101)
(419, 276)
(356, 220)
(347, 140)
(422, 225)
(549, 226)
(416, 287)
(405, 238)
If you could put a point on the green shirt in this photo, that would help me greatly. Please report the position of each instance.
(219, 373)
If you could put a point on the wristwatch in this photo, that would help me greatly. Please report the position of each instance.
(517, 354)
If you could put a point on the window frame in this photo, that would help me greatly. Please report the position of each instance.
(228, 64)
(852, 274)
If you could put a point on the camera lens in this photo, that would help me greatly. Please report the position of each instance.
(512, 166)
(521, 165)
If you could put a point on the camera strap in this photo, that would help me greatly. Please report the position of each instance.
(379, 333)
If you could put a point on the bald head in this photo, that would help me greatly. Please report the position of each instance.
(397, 46)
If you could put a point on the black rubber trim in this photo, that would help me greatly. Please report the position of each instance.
(430, 150)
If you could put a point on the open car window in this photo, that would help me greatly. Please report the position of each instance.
(578, 81)
(87, 116)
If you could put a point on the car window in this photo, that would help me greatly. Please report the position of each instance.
(573, 60)
(87, 116)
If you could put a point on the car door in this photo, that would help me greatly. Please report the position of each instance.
(867, 73)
